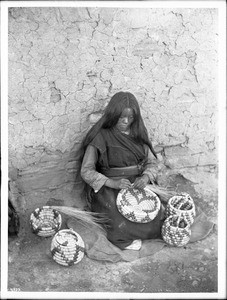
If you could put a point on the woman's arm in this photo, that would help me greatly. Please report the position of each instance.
(148, 175)
(88, 169)
(150, 168)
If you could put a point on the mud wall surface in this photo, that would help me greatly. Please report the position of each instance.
(66, 63)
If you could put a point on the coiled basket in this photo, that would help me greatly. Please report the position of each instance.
(182, 205)
(176, 231)
(67, 247)
(45, 221)
(138, 205)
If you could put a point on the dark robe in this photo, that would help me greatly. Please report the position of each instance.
(116, 149)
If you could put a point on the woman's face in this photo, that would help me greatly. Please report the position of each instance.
(125, 120)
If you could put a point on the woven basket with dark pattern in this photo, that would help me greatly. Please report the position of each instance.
(176, 231)
(67, 247)
(138, 205)
(45, 221)
(182, 205)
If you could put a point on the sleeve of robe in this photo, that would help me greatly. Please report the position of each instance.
(88, 170)
(150, 168)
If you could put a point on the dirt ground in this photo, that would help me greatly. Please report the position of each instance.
(189, 269)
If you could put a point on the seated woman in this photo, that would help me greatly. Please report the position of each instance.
(117, 154)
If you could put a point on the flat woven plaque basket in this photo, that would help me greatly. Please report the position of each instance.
(176, 231)
(182, 205)
(45, 221)
(67, 247)
(138, 205)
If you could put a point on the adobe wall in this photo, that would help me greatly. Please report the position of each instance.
(66, 63)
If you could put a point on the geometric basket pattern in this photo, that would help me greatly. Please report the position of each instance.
(67, 247)
(180, 214)
(138, 205)
(45, 221)
(176, 231)
(183, 205)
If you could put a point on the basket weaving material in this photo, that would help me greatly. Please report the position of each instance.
(45, 221)
(182, 205)
(176, 231)
(138, 205)
(67, 247)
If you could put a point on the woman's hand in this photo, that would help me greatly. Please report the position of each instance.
(141, 182)
(118, 183)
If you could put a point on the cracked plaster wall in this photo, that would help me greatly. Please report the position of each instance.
(66, 63)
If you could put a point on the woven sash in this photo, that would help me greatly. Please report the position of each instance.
(125, 171)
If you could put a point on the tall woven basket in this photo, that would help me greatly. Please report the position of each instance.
(176, 231)
(181, 205)
(67, 247)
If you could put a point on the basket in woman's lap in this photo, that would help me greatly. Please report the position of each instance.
(138, 205)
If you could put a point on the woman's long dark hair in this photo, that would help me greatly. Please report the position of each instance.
(113, 111)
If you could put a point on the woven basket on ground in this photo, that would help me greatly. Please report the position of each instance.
(67, 247)
(176, 231)
(182, 205)
(45, 221)
(138, 205)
